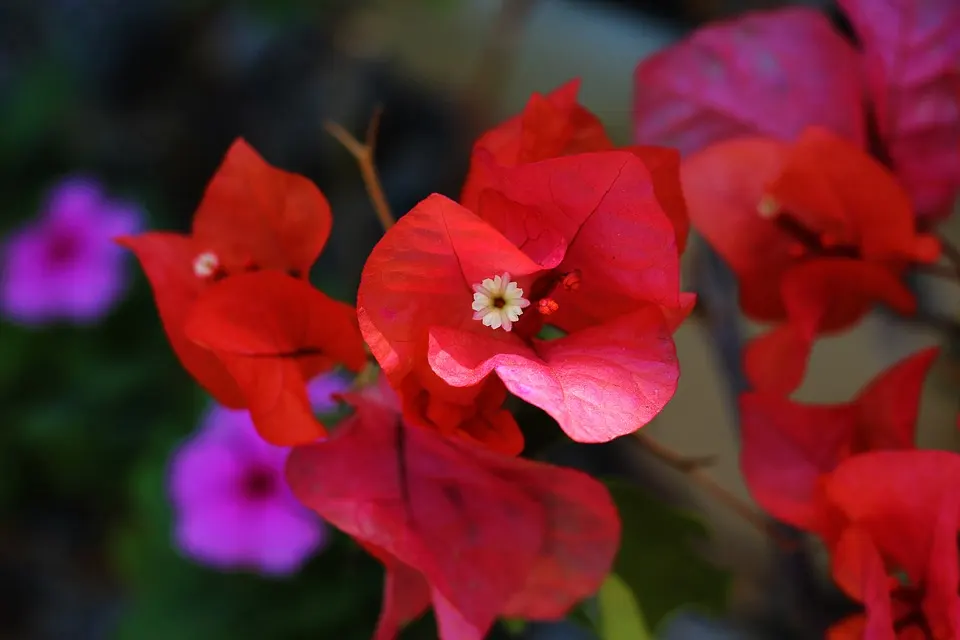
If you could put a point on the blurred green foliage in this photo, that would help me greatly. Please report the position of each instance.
(620, 615)
(659, 558)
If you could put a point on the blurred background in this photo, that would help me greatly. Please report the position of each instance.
(140, 100)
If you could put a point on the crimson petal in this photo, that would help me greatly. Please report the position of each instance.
(273, 333)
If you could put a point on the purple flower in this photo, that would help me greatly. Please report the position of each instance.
(232, 506)
(64, 264)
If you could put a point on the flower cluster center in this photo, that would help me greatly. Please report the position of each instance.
(206, 264)
(806, 240)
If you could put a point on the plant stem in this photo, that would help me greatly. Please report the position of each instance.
(363, 153)
(693, 469)
(943, 271)
(951, 252)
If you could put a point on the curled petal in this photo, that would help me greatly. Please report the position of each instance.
(724, 185)
(820, 295)
(598, 383)
(787, 447)
(420, 274)
(550, 126)
(491, 535)
(764, 73)
(910, 53)
(167, 259)
(254, 213)
(273, 333)
(619, 238)
(834, 186)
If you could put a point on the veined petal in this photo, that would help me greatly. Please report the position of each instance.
(254, 212)
(421, 274)
(598, 383)
(167, 259)
(273, 333)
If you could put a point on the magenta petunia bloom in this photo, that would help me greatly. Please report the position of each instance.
(64, 264)
(232, 506)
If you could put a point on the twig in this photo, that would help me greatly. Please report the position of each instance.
(943, 271)
(794, 591)
(363, 153)
(693, 469)
(951, 251)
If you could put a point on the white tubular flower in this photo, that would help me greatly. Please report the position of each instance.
(205, 264)
(498, 302)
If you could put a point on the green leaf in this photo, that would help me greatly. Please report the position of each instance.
(659, 560)
(550, 332)
(620, 615)
(514, 626)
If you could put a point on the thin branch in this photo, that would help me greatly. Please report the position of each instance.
(670, 457)
(363, 153)
(936, 321)
(952, 253)
(943, 271)
(693, 469)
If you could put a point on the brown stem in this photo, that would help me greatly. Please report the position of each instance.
(941, 323)
(951, 252)
(946, 272)
(693, 469)
(363, 153)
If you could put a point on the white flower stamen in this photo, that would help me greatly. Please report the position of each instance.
(205, 264)
(498, 302)
(768, 207)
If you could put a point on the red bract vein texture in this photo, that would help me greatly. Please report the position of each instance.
(257, 328)
(478, 534)
(769, 73)
(580, 242)
(911, 50)
(773, 73)
(817, 232)
(273, 333)
(557, 125)
(894, 520)
(788, 446)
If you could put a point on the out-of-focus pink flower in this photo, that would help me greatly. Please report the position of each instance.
(232, 506)
(64, 263)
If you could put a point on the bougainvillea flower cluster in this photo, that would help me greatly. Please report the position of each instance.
(64, 264)
(817, 168)
(774, 73)
(891, 524)
(257, 232)
(888, 513)
(549, 232)
(788, 446)
(809, 161)
(555, 279)
(817, 232)
(579, 237)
